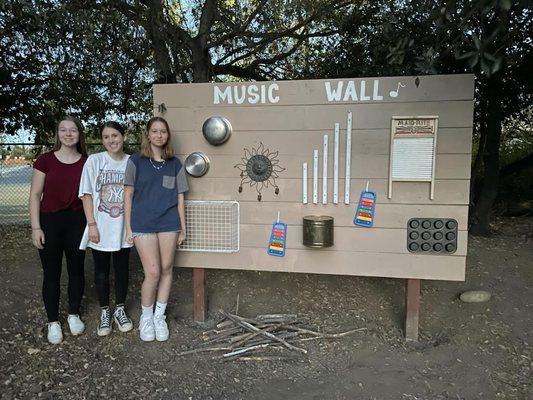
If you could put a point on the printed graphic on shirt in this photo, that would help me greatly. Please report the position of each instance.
(110, 185)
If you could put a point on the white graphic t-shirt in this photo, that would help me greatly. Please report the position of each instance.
(103, 179)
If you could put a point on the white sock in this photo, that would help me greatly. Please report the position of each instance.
(147, 311)
(160, 309)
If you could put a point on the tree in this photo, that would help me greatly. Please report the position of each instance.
(487, 37)
(61, 60)
(236, 39)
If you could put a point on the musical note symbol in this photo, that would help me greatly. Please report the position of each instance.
(394, 93)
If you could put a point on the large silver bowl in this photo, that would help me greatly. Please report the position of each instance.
(197, 164)
(216, 130)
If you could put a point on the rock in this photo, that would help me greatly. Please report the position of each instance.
(32, 351)
(475, 296)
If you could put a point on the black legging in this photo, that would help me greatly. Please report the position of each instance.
(102, 263)
(62, 233)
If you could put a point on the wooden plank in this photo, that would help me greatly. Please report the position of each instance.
(432, 87)
(302, 143)
(452, 114)
(412, 266)
(347, 238)
(412, 307)
(452, 192)
(387, 215)
(364, 166)
(199, 294)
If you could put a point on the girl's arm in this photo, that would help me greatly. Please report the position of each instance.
(36, 192)
(87, 201)
(181, 212)
(128, 199)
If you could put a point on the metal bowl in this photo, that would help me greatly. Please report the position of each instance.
(197, 164)
(216, 130)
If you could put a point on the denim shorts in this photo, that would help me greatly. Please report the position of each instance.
(141, 234)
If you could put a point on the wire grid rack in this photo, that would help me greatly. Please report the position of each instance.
(212, 226)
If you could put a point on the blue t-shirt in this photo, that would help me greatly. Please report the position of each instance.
(155, 195)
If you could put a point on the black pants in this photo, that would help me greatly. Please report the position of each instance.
(102, 264)
(62, 234)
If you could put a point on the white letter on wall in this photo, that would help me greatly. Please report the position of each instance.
(253, 94)
(376, 95)
(334, 95)
(271, 97)
(350, 93)
(222, 95)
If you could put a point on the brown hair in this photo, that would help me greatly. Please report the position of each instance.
(146, 149)
(80, 146)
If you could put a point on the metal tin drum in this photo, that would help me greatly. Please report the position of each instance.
(318, 231)
(216, 130)
(197, 164)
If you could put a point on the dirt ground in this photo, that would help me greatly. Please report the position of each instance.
(466, 351)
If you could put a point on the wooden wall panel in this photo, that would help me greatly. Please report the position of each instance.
(294, 126)
(347, 238)
(394, 216)
(447, 192)
(452, 114)
(364, 166)
(430, 88)
(412, 266)
(376, 141)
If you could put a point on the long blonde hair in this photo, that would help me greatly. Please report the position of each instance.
(80, 146)
(146, 149)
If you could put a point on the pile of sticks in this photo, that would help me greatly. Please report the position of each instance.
(239, 338)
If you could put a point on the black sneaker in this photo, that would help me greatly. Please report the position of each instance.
(121, 319)
(104, 327)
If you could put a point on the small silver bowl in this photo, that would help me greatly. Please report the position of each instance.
(216, 130)
(197, 164)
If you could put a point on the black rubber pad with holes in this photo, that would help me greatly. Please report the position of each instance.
(432, 235)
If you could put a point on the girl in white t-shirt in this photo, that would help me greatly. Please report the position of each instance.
(102, 194)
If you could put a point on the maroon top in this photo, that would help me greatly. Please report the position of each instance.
(61, 183)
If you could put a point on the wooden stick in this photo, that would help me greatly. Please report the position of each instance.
(252, 328)
(245, 350)
(264, 358)
(202, 350)
(251, 335)
(237, 305)
(323, 335)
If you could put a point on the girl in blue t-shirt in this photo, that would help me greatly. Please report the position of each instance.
(154, 211)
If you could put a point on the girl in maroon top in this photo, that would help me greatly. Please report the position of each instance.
(58, 222)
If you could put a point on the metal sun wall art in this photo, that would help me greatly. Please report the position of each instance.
(259, 168)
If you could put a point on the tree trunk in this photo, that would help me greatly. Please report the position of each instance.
(491, 158)
(201, 62)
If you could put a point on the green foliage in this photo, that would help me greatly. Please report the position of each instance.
(58, 59)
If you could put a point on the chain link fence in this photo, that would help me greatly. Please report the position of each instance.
(16, 166)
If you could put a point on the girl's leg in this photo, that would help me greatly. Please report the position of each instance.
(148, 249)
(167, 249)
(121, 265)
(51, 260)
(102, 262)
(75, 225)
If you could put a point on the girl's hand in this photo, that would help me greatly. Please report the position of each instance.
(94, 234)
(181, 236)
(129, 236)
(37, 238)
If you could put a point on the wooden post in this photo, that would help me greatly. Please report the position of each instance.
(412, 306)
(199, 294)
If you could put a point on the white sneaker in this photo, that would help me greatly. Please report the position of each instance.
(161, 327)
(104, 326)
(75, 324)
(147, 329)
(55, 336)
